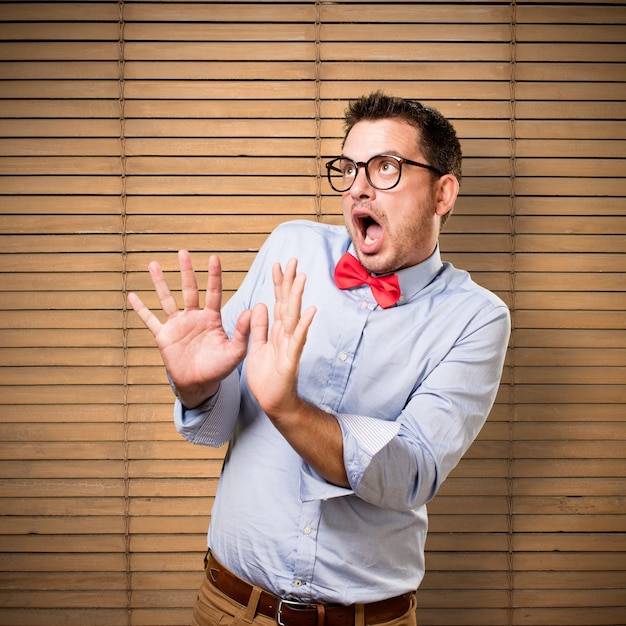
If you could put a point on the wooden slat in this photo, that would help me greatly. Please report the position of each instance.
(222, 32)
(569, 523)
(87, 89)
(51, 31)
(57, 282)
(393, 51)
(595, 52)
(577, 14)
(534, 88)
(220, 166)
(219, 128)
(61, 413)
(59, 12)
(56, 108)
(573, 580)
(219, 205)
(245, 12)
(218, 51)
(220, 89)
(213, 109)
(66, 205)
(31, 51)
(59, 128)
(555, 148)
(226, 146)
(66, 507)
(54, 580)
(59, 165)
(58, 469)
(381, 12)
(570, 32)
(416, 31)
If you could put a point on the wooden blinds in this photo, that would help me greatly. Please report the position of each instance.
(131, 129)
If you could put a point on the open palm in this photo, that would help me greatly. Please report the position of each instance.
(194, 346)
(274, 356)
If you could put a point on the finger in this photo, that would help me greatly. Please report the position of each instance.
(277, 279)
(289, 277)
(293, 306)
(296, 345)
(168, 303)
(283, 282)
(189, 285)
(214, 284)
(147, 316)
(259, 324)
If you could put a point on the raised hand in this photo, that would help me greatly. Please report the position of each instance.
(273, 360)
(272, 373)
(195, 349)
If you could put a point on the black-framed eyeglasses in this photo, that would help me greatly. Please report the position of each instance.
(383, 171)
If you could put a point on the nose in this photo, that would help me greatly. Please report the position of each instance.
(361, 187)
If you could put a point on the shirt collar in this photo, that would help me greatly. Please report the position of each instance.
(413, 279)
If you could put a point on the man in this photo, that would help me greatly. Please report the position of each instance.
(347, 411)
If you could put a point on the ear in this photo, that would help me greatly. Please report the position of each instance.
(446, 192)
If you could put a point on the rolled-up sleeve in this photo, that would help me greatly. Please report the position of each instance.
(399, 464)
(211, 423)
(440, 421)
(363, 437)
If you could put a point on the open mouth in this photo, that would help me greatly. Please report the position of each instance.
(371, 230)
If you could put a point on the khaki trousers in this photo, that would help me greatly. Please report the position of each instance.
(213, 608)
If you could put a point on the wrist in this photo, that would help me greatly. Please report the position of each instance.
(291, 414)
(191, 397)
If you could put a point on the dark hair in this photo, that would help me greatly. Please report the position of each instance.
(437, 137)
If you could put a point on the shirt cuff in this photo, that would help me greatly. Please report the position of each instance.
(363, 437)
(212, 422)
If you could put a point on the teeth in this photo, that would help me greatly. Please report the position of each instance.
(369, 240)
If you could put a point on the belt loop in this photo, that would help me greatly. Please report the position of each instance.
(253, 603)
(359, 615)
(321, 614)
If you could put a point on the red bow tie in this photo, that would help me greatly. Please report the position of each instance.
(350, 273)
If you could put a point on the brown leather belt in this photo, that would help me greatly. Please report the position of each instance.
(289, 613)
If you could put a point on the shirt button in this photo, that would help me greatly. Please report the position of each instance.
(343, 356)
(307, 531)
(298, 583)
(364, 305)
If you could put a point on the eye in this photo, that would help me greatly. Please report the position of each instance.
(387, 166)
(347, 169)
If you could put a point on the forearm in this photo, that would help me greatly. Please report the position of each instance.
(316, 436)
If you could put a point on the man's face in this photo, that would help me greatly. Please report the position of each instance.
(399, 227)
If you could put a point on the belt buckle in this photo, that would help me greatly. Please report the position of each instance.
(294, 604)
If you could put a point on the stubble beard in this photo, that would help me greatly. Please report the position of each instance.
(404, 242)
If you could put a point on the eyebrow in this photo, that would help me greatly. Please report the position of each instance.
(386, 152)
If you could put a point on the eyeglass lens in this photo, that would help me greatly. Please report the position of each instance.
(383, 172)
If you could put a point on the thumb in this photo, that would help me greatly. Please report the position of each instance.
(242, 331)
(259, 324)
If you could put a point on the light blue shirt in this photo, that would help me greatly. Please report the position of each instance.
(411, 387)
